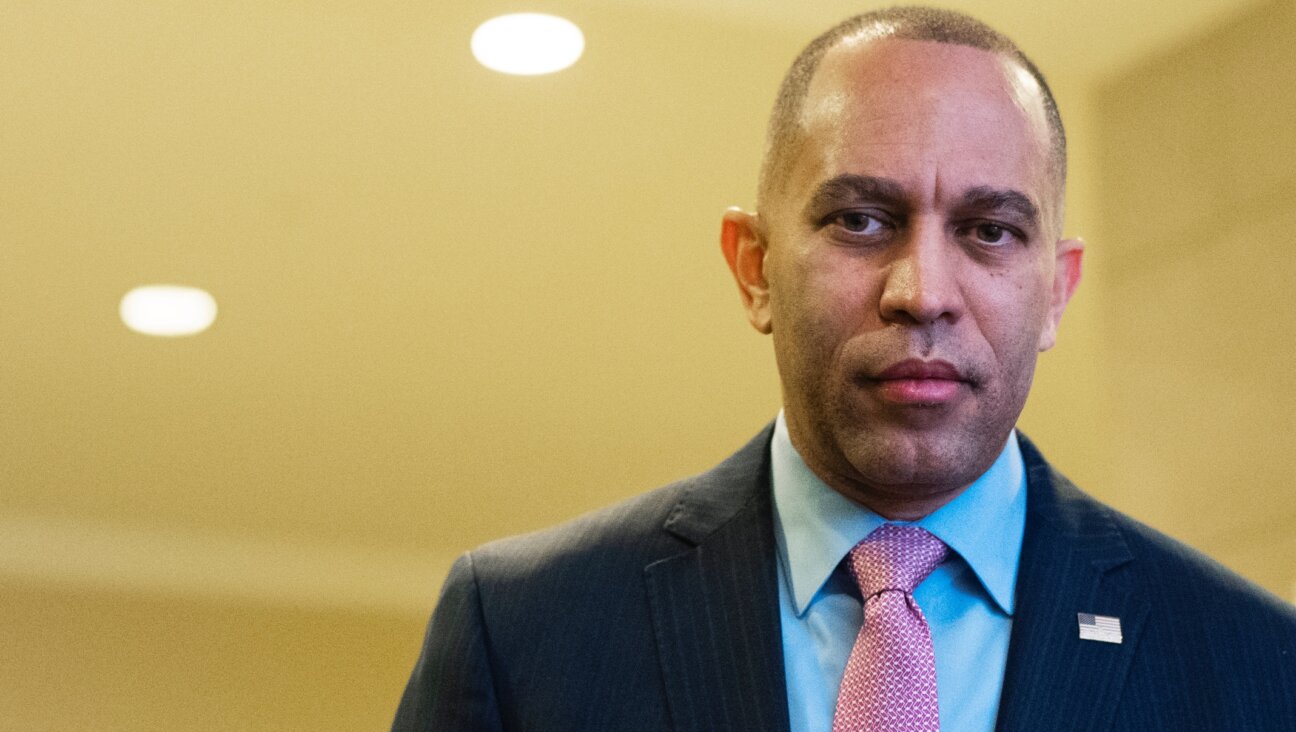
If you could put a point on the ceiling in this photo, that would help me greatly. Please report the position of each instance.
(454, 304)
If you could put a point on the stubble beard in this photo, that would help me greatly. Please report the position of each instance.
(880, 460)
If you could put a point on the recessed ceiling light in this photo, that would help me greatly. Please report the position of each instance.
(168, 310)
(528, 43)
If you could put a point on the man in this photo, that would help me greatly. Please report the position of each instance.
(906, 259)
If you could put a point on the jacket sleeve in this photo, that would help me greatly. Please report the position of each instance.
(452, 689)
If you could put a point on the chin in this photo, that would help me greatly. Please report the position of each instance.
(926, 461)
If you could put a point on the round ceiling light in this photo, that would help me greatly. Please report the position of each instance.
(168, 310)
(527, 44)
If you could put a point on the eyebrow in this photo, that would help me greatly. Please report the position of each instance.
(985, 198)
(851, 187)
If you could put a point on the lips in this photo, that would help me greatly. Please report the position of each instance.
(923, 370)
(917, 382)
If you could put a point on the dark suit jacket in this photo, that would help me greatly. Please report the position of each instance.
(661, 613)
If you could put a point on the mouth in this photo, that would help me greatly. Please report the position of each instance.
(915, 382)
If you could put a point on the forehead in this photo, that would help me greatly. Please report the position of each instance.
(920, 112)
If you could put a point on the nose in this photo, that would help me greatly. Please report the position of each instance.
(921, 286)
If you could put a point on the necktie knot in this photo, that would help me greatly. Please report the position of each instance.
(889, 684)
(894, 558)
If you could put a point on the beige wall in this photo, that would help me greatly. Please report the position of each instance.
(1170, 394)
(74, 659)
(1198, 201)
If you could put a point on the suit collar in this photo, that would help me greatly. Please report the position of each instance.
(716, 496)
(715, 605)
(1074, 560)
(816, 526)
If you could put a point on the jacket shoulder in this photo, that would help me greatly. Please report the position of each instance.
(627, 536)
(1203, 612)
(1186, 578)
(1178, 574)
(626, 532)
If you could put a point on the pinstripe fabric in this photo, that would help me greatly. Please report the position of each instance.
(1202, 649)
(661, 613)
(715, 613)
(454, 662)
(657, 614)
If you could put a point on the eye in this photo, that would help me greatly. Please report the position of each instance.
(991, 234)
(858, 223)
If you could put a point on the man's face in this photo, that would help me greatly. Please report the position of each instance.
(908, 268)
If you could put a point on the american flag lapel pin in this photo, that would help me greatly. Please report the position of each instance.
(1101, 628)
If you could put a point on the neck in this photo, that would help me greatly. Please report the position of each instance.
(896, 503)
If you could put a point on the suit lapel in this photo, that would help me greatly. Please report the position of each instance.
(715, 606)
(1074, 560)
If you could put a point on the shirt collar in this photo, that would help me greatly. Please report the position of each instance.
(816, 526)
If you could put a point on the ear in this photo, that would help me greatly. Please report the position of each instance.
(744, 249)
(1066, 276)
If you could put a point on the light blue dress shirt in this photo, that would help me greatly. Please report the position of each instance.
(968, 599)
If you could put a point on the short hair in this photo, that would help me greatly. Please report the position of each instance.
(913, 23)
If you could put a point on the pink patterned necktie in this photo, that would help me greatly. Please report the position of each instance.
(890, 679)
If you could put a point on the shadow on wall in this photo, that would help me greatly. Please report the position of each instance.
(1198, 180)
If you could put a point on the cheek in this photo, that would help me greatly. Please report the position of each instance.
(843, 286)
(798, 290)
(1014, 315)
(817, 306)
